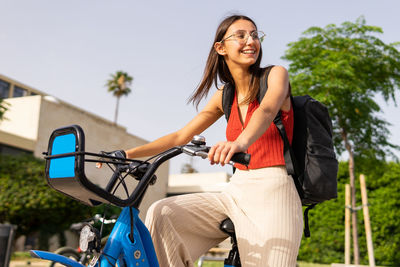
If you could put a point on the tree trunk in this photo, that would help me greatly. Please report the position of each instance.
(349, 149)
(116, 111)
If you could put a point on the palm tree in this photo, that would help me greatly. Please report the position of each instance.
(118, 85)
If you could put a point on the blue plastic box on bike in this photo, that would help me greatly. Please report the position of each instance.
(129, 243)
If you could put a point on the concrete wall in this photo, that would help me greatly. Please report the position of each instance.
(25, 111)
(19, 128)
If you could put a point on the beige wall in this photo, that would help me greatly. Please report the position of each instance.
(34, 118)
(197, 182)
(19, 127)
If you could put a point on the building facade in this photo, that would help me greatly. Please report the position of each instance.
(32, 116)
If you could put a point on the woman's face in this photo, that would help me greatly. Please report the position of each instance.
(239, 47)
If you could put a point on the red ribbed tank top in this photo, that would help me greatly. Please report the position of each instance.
(267, 150)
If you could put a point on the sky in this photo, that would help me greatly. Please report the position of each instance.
(68, 49)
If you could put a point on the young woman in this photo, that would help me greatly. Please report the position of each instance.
(261, 199)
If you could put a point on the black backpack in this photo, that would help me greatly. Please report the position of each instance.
(311, 159)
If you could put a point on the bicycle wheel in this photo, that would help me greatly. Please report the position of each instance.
(66, 252)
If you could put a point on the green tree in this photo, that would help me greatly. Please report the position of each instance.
(346, 67)
(383, 186)
(326, 244)
(28, 202)
(118, 85)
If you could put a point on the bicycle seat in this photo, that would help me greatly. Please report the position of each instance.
(227, 227)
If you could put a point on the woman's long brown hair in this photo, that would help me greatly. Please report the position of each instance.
(217, 70)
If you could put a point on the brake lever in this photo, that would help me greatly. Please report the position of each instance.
(194, 150)
(200, 151)
(202, 154)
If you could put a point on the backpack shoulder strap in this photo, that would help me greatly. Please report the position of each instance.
(228, 94)
(288, 154)
(264, 83)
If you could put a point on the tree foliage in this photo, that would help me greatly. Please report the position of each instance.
(3, 108)
(326, 244)
(384, 211)
(28, 202)
(346, 68)
(118, 85)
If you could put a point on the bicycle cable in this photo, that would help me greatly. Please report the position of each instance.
(119, 178)
(106, 256)
(122, 179)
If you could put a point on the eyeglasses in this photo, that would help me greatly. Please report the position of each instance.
(241, 36)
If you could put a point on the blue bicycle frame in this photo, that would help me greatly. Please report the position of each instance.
(119, 247)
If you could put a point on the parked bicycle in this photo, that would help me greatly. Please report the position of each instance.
(77, 254)
(129, 243)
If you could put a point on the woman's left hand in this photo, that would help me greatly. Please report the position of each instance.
(222, 152)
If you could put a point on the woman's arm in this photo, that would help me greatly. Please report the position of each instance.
(278, 86)
(211, 113)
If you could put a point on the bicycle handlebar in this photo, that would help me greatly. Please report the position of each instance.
(241, 158)
(145, 171)
(202, 151)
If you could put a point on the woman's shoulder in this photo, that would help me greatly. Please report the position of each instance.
(216, 100)
(276, 69)
(277, 73)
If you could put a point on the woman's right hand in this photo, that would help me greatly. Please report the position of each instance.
(222, 152)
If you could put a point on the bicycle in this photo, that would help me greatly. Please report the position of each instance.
(77, 254)
(129, 243)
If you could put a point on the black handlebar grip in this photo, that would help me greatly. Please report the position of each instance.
(241, 158)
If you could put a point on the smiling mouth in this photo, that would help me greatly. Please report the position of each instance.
(249, 52)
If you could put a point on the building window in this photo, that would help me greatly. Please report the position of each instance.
(4, 89)
(18, 92)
